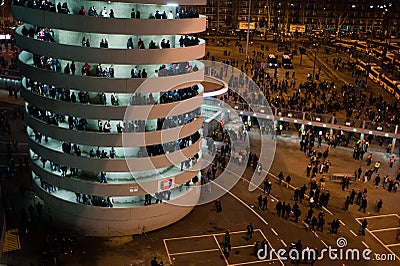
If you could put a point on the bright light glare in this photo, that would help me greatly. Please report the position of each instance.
(172, 4)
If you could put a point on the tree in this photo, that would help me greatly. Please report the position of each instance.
(341, 12)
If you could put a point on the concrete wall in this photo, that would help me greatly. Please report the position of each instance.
(101, 221)
(93, 187)
(111, 56)
(115, 41)
(103, 25)
(138, 112)
(116, 165)
(122, 83)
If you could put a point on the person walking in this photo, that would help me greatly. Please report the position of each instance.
(392, 160)
(369, 159)
(218, 205)
(227, 242)
(260, 202)
(385, 181)
(250, 231)
(377, 166)
(278, 208)
(288, 179)
(364, 225)
(379, 205)
(363, 205)
(265, 203)
(280, 178)
(377, 180)
(346, 204)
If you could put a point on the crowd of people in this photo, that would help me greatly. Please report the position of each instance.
(130, 126)
(143, 151)
(64, 9)
(53, 64)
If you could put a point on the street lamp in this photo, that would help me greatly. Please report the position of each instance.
(315, 60)
(248, 31)
(368, 68)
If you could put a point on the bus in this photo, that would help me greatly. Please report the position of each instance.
(392, 86)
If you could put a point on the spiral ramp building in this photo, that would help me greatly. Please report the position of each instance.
(113, 151)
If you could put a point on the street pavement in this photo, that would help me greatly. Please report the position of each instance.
(197, 239)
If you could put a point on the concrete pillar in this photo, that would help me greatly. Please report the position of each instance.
(275, 124)
(393, 145)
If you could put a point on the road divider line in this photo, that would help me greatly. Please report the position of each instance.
(273, 231)
(270, 195)
(352, 232)
(328, 211)
(365, 244)
(283, 243)
(324, 243)
(241, 201)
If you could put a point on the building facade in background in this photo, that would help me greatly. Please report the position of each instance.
(113, 111)
(355, 15)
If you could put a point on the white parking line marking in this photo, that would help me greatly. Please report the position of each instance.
(262, 233)
(244, 246)
(232, 233)
(378, 216)
(393, 245)
(222, 252)
(166, 248)
(385, 229)
(187, 237)
(194, 251)
(377, 238)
